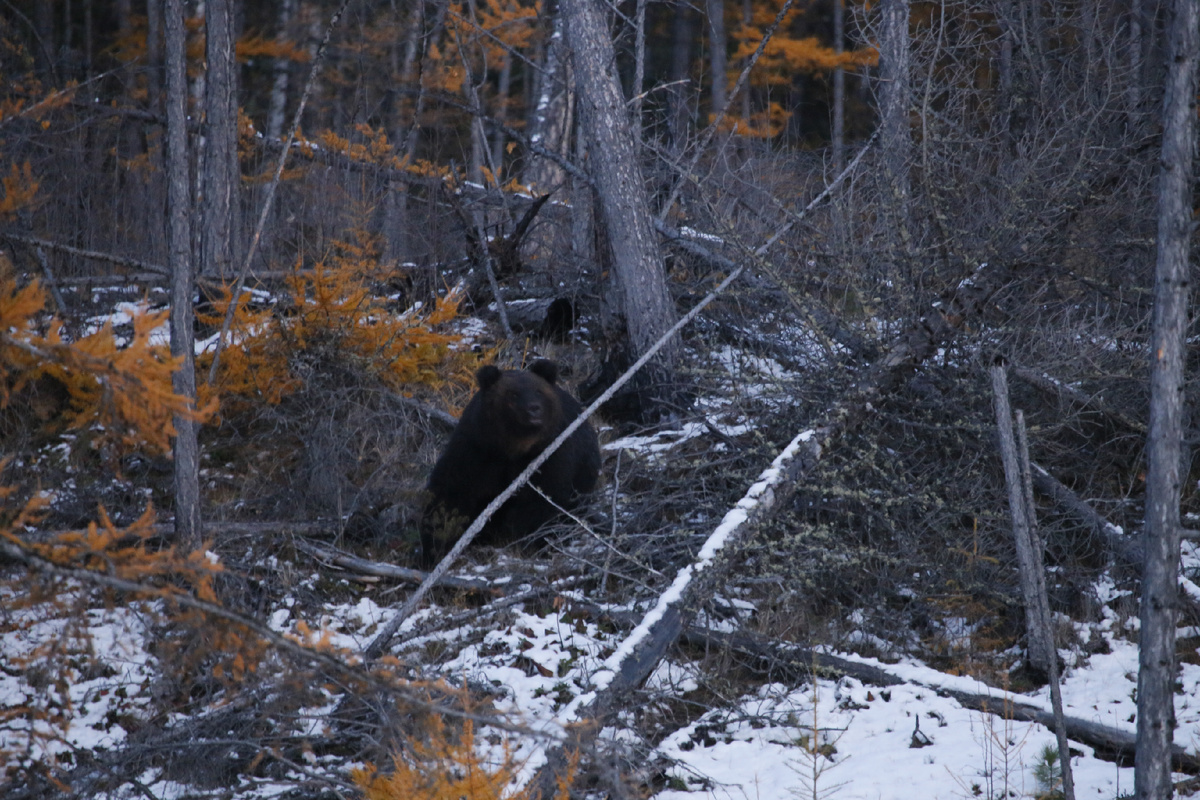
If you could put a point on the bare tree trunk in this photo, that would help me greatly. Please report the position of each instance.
(678, 104)
(839, 89)
(220, 180)
(154, 10)
(1060, 727)
(404, 134)
(894, 100)
(282, 68)
(639, 70)
(186, 448)
(1164, 474)
(649, 311)
(718, 59)
(551, 122)
(1029, 554)
(504, 89)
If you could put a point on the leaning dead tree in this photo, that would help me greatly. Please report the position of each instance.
(1043, 656)
(640, 652)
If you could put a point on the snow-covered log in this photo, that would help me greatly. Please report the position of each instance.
(641, 651)
(786, 661)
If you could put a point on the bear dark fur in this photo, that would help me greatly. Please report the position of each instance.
(507, 424)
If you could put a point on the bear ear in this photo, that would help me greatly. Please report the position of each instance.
(487, 376)
(546, 369)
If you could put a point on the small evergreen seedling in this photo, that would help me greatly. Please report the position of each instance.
(1048, 773)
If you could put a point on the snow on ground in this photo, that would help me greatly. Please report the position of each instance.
(761, 745)
(865, 749)
(100, 696)
(757, 747)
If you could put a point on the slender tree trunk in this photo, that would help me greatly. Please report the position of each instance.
(839, 89)
(282, 69)
(1008, 35)
(154, 59)
(220, 180)
(718, 59)
(648, 308)
(47, 52)
(747, 16)
(1164, 473)
(504, 89)
(550, 126)
(639, 69)
(895, 96)
(1056, 705)
(88, 43)
(678, 105)
(186, 448)
(405, 114)
(1029, 553)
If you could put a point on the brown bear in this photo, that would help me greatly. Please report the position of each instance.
(507, 424)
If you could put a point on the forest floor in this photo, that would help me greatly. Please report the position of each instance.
(708, 723)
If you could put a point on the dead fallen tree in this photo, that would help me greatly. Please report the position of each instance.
(796, 664)
(641, 651)
(379, 569)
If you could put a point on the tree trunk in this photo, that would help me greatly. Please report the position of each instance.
(282, 69)
(551, 122)
(678, 103)
(646, 303)
(405, 115)
(43, 27)
(894, 99)
(839, 89)
(219, 183)
(504, 89)
(718, 59)
(154, 54)
(1029, 554)
(639, 70)
(186, 448)
(1164, 474)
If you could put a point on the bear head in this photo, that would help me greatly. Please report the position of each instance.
(522, 408)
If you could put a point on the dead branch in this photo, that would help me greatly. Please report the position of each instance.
(1057, 388)
(123, 261)
(379, 569)
(1125, 548)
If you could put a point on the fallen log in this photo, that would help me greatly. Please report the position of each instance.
(797, 664)
(379, 569)
(636, 657)
(794, 664)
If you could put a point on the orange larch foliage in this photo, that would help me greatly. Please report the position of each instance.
(120, 389)
(783, 57)
(448, 767)
(330, 309)
(20, 189)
